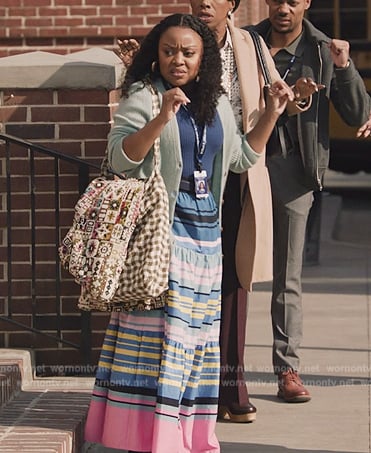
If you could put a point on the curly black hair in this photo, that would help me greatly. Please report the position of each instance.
(209, 87)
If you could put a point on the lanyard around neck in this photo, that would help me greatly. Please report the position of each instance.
(289, 67)
(200, 144)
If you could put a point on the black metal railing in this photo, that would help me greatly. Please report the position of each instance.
(39, 173)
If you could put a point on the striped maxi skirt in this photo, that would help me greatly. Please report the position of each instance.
(157, 383)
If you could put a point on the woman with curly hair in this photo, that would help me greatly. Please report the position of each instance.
(157, 383)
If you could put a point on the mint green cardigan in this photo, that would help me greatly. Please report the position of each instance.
(136, 110)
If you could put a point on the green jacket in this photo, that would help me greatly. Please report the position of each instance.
(344, 88)
(136, 110)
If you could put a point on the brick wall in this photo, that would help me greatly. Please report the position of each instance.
(74, 121)
(65, 26)
(71, 25)
(250, 12)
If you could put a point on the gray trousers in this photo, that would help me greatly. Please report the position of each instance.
(292, 201)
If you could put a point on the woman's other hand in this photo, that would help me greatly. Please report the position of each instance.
(305, 87)
(278, 94)
(365, 130)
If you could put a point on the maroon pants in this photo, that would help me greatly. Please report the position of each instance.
(232, 387)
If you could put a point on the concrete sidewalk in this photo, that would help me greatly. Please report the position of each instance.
(335, 353)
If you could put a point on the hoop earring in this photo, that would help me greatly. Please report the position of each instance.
(154, 66)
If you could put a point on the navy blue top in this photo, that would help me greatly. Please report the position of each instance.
(188, 143)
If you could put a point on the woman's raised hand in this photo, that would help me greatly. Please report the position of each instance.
(172, 100)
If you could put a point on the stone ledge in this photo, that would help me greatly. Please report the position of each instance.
(95, 68)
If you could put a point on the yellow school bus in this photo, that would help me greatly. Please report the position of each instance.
(349, 20)
(348, 153)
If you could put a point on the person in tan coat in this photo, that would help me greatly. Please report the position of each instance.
(247, 233)
(247, 209)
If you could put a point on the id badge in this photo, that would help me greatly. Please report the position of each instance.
(201, 189)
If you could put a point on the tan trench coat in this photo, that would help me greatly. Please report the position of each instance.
(254, 247)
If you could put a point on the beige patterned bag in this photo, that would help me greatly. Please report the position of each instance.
(118, 248)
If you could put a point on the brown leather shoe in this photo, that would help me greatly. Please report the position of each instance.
(237, 414)
(291, 388)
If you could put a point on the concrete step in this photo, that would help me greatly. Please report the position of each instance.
(10, 381)
(15, 371)
(40, 415)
